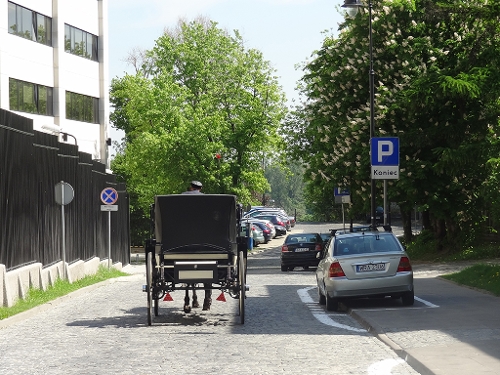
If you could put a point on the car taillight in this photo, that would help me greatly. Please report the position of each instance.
(404, 265)
(318, 247)
(267, 231)
(284, 249)
(336, 270)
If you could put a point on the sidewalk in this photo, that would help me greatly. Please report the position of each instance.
(451, 330)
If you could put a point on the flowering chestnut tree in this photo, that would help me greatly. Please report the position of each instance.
(436, 88)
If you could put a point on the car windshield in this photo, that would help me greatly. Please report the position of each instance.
(325, 236)
(303, 237)
(365, 245)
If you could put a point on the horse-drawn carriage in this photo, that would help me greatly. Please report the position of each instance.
(195, 247)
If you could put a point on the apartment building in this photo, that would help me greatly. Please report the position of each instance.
(54, 69)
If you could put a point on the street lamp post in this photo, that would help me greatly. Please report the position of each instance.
(57, 131)
(352, 7)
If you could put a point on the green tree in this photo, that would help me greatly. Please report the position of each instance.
(286, 180)
(201, 106)
(436, 83)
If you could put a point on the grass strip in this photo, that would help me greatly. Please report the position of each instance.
(36, 297)
(481, 276)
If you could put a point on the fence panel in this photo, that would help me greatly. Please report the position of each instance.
(31, 164)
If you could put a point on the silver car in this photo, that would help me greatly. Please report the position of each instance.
(257, 234)
(364, 264)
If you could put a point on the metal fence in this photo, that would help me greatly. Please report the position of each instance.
(32, 163)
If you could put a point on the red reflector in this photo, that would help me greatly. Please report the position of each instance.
(284, 249)
(336, 270)
(404, 265)
(168, 297)
(221, 298)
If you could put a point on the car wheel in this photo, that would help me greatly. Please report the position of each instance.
(408, 298)
(284, 268)
(291, 268)
(332, 304)
(322, 298)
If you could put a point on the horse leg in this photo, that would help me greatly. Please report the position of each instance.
(208, 297)
(187, 308)
(195, 298)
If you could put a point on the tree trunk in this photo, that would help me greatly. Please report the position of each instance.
(406, 216)
(440, 233)
(426, 221)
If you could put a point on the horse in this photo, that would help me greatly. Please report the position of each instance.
(206, 302)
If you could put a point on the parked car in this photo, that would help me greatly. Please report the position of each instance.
(270, 225)
(364, 264)
(284, 219)
(277, 222)
(300, 250)
(267, 231)
(326, 237)
(379, 216)
(257, 234)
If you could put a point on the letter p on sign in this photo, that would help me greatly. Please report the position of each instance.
(385, 148)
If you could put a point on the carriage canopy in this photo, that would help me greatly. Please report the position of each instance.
(184, 220)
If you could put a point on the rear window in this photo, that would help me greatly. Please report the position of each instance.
(313, 238)
(365, 245)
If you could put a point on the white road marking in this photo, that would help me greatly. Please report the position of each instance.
(325, 318)
(320, 314)
(427, 303)
(384, 367)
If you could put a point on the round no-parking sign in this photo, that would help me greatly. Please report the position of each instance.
(109, 196)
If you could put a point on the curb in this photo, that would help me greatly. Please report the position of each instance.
(403, 354)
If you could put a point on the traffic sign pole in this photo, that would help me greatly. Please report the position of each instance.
(109, 240)
(109, 196)
(63, 236)
(64, 194)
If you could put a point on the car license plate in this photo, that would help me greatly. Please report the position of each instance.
(371, 267)
(299, 249)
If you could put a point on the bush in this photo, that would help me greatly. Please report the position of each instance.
(423, 246)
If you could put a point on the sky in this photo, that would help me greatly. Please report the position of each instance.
(287, 32)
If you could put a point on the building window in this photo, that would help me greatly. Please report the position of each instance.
(30, 97)
(29, 24)
(81, 43)
(82, 108)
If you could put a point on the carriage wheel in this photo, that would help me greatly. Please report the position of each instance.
(149, 282)
(242, 287)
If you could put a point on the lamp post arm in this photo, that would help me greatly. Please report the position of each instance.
(66, 134)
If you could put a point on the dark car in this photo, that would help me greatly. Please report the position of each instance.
(379, 216)
(326, 236)
(276, 220)
(283, 218)
(268, 236)
(301, 250)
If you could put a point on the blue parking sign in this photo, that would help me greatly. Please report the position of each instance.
(384, 151)
(340, 191)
